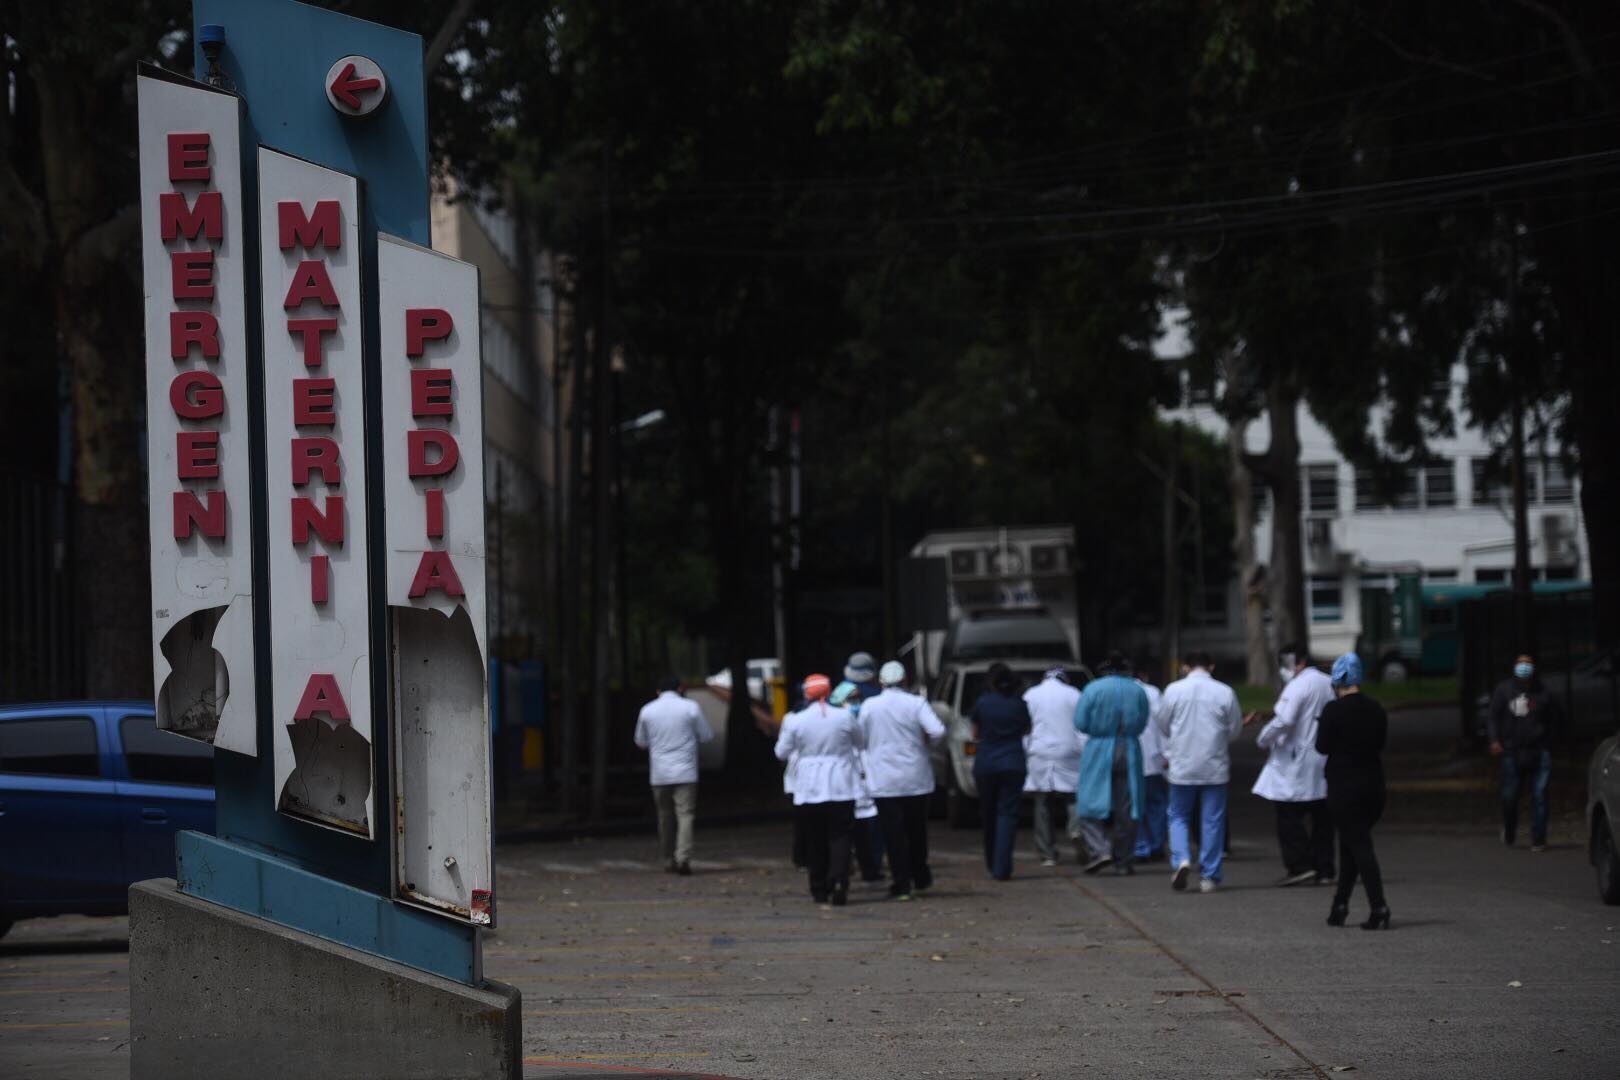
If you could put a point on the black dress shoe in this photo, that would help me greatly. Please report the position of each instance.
(684, 869)
(840, 894)
(1338, 914)
(1378, 920)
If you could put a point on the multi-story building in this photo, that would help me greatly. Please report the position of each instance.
(523, 446)
(1451, 520)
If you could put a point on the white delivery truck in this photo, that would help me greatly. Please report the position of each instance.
(1009, 592)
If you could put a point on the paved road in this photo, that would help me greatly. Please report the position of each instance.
(735, 972)
(1502, 963)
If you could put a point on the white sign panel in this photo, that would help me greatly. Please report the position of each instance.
(309, 251)
(433, 477)
(197, 411)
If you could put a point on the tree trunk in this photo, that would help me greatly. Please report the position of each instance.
(1281, 469)
(1250, 574)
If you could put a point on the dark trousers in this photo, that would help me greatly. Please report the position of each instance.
(801, 850)
(1000, 793)
(867, 843)
(1120, 840)
(1305, 833)
(1532, 769)
(1355, 814)
(905, 834)
(827, 827)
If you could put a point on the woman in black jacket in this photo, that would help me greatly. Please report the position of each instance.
(1351, 732)
(1000, 722)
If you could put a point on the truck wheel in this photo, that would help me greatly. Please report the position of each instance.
(1393, 669)
(5, 926)
(961, 812)
(1606, 861)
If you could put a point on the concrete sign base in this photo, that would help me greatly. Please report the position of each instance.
(214, 992)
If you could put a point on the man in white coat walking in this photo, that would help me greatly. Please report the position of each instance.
(1052, 752)
(669, 729)
(1294, 778)
(899, 728)
(1198, 719)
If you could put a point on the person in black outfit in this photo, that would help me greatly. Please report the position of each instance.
(1000, 722)
(1522, 719)
(1351, 732)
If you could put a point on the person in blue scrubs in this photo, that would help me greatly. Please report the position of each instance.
(1000, 722)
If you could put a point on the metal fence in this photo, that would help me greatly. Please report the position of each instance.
(41, 653)
(1567, 654)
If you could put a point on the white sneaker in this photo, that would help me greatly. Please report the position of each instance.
(1048, 862)
(1178, 880)
(1208, 884)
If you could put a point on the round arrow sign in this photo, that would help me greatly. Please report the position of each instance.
(356, 86)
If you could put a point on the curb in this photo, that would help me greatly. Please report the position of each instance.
(630, 827)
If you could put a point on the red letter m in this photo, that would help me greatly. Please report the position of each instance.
(322, 228)
(206, 216)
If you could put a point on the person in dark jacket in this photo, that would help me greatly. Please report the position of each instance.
(1350, 732)
(1522, 718)
(1000, 722)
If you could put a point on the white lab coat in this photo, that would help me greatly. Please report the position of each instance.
(826, 740)
(1052, 748)
(1151, 740)
(669, 729)
(1294, 770)
(1198, 718)
(898, 728)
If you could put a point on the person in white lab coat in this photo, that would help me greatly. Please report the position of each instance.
(1152, 832)
(899, 728)
(1052, 750)
(867, 838)
(1294, 778)
(669, 729)
(1198, 718)
(826, 783)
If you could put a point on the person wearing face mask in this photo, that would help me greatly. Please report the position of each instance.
(1052, 751)
(1522, 718)
(1293, 777)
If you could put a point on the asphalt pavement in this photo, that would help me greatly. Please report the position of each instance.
(1501, 963)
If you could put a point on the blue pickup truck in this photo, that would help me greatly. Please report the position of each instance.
(91, 793)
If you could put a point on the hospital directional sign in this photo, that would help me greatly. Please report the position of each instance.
(317, 486)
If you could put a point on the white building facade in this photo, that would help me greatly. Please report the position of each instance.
(1451, 521)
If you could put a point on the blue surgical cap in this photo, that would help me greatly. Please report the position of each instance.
(1347, 670)
(841, 693)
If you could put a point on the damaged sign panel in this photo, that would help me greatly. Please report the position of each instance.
(433, 470)
(197, 410)
(310, 258)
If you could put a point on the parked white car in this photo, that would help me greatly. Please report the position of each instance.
(953, 695)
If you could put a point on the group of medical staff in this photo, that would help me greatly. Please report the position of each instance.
(1130, 774)
(858, 767)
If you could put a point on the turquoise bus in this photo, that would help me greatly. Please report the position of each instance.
(1413, 630)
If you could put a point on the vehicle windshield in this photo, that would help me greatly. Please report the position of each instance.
(975, 683)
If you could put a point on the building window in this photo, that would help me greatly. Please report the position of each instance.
(1440, 576)
(1367, 491)
(1559, 488)
(1439, 485)
(1493, 483)
(1409, 495)
(1326, 599)
(1560, 573)
(1490, 575)
(506, 360)
(1322, 489)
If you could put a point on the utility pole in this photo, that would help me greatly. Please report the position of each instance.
(1170, 637)
(601, 518)
(1524, 629)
